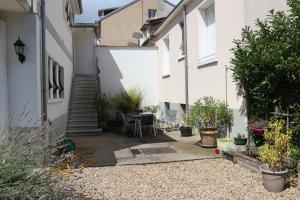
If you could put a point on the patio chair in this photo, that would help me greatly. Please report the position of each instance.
(147, 120)
(169, 119)
(127, 123)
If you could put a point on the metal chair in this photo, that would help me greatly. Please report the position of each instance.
(169, 119)
(146, 120)
(127, 123)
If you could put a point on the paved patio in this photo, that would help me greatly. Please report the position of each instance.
(112, 149)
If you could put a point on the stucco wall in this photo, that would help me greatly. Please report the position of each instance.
(59, 46)
(210, 79)
(23, 79)
(84, 49)
(3, 76)
(123, 68)
(117, 29)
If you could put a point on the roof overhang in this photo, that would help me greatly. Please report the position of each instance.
(17, 6)
(177, 10)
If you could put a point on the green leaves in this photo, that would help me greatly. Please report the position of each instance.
(209, 113)
(266, 63)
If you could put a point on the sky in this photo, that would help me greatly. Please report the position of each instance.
(91, 7)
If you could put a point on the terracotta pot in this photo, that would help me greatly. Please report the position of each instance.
(274, 181)
(209, 137)
(186, 131)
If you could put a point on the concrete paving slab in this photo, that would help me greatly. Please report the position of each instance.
(112, 149)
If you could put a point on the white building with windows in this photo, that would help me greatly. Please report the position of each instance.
(211, 28)
(39, 87)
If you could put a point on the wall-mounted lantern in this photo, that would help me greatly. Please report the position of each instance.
(19, 47)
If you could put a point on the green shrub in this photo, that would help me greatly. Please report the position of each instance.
(266, 63)
(128, 101)
(209, 113)
(104, 103)
(277, 149)
(23, 155)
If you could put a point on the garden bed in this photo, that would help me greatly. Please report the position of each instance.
(248, 162)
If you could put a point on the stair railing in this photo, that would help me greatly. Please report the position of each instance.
(98, 93)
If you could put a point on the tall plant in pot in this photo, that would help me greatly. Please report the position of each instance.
(210, 117)
(274, 154)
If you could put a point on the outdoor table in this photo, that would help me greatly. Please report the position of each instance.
(136, 117)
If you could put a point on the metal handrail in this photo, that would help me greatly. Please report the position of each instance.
(98, 93)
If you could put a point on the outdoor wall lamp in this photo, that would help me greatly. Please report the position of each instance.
(19, 47)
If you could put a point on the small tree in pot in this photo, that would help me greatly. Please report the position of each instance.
(210, 116)
(275, 153)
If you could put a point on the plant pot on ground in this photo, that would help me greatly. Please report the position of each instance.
(240, 140)
(209, 137)
(186, 131)
(274, 154)
(210, 116)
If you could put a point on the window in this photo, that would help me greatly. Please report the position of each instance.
(152, 13)
(166, 56)
(56, 80)
(181, 24)
(207, 31)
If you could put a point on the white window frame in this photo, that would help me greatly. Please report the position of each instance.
(166, 56)
(54, 97)
(207, 42)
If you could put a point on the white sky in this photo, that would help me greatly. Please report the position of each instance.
(91, 7)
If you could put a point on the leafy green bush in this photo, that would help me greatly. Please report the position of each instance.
(128, 101)
(266, 63)
(209, 113)
(104, 104)
(277, 149)
(23, 154)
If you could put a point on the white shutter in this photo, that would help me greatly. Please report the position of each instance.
(166, 57)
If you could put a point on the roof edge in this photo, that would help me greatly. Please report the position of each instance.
(172, 15)
(118, 10)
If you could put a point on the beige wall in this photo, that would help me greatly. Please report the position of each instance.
(117, 29)
(210, 79)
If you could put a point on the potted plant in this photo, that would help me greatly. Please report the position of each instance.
(104, 104)
(128, 101)
(240, 139)
(210, 116)
(274, 154)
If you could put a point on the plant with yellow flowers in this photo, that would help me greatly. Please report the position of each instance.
(277, 147)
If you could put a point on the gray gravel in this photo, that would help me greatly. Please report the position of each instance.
(205, 179)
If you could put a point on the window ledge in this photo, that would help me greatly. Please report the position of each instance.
(181, 58)
(166, 76)
(208, 60)
(52, 101)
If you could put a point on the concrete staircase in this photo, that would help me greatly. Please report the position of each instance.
(82, 120)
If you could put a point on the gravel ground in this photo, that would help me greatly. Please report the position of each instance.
(205, 179)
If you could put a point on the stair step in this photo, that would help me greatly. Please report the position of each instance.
(78, 113)
(81, 127)
(82, 133)
(84, 123)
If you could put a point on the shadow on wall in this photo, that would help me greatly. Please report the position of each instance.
(110, 74)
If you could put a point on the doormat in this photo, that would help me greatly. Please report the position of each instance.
(158, 150)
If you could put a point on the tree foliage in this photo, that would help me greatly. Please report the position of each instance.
(266, 62)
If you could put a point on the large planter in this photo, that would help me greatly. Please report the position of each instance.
(186, 131)
(274, 181)
(209, 137)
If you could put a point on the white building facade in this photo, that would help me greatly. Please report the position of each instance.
(21, 84)
(211, 27)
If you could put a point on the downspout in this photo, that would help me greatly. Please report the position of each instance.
(43, 61)
(187, 106)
